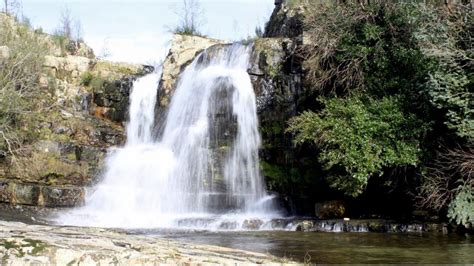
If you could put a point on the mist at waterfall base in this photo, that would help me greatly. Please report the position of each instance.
(203, 172)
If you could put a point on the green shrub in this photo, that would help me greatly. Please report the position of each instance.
(359, 138)
(97, 83)
(87, 78)
(461, 209)
(62, 42)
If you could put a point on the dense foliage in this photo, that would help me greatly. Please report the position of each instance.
(359, 138)
(395, 80)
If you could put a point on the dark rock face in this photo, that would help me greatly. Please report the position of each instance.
(284, 22)
(276, 75)
(115, 96)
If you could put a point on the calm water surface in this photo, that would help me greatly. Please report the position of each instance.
(342, 247)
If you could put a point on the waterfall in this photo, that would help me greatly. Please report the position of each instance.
(203, 172)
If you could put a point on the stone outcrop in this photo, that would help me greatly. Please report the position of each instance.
(22, 244)
(183, 50)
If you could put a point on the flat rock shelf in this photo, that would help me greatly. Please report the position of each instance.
(22, 244)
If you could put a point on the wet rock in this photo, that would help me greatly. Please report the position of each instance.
(305, 226)
(253, 224)
(228, 225)
(280, 223)
(330, 209)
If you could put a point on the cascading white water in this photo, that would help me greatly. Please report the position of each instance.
(203, 172)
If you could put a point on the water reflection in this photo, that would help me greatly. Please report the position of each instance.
(342, 247)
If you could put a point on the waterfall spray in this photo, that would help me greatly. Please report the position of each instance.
(204, 171)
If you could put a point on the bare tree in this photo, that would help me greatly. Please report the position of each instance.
(69, 26)
(77, 30)
(452, 170)
(191, 18)
(10, 6)
(65, 23)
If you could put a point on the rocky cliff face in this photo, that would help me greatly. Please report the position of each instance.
(285, 21)
(78, 115)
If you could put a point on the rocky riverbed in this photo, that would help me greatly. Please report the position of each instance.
(22, 244)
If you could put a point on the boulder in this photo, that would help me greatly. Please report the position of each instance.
(4, 52)
(79, 48)
(69, 63)
(330, 209)
(77, 63)
(253, 224)
(304, 226)
(183, 50)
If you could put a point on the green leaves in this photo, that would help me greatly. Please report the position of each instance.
(362, 136)
(461, 209)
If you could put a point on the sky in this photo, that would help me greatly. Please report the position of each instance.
(138, 31)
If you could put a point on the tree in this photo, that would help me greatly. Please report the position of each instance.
(9, 6)
(69, 27)
(190, 18)
(65, 26)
